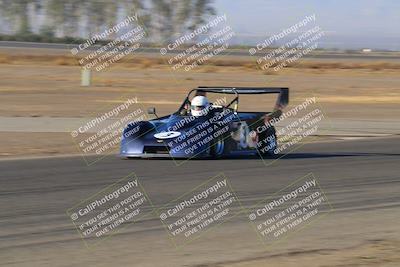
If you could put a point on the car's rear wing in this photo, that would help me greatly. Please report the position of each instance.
(281, 102)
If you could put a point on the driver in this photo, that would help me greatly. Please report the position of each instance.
(199, 106)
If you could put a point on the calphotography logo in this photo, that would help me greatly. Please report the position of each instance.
(198, 211)
(102, 135)
(129, 36)
(292, 44)
(192, 136)
(283, 134)
(199, 46)
(108, 211)
(289, 210)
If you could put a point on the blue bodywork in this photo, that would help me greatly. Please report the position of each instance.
(138, 138)
(223, 131)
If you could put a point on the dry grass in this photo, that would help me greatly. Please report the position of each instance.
(337, 65)
(4, 59)
(270, 72)
(146, 63)
(150, 62)
(66, 61)
(209, 69)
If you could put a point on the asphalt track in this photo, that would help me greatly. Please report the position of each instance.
(357, 175)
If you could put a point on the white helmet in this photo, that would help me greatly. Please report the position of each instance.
(199, 106)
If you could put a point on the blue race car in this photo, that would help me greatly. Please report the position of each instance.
(201, 129)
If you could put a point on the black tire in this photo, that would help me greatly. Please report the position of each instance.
(218, 148)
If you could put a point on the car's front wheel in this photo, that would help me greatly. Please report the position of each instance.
(268, 143)
(217, 148)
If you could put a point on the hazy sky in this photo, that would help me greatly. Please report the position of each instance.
(350, 23)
